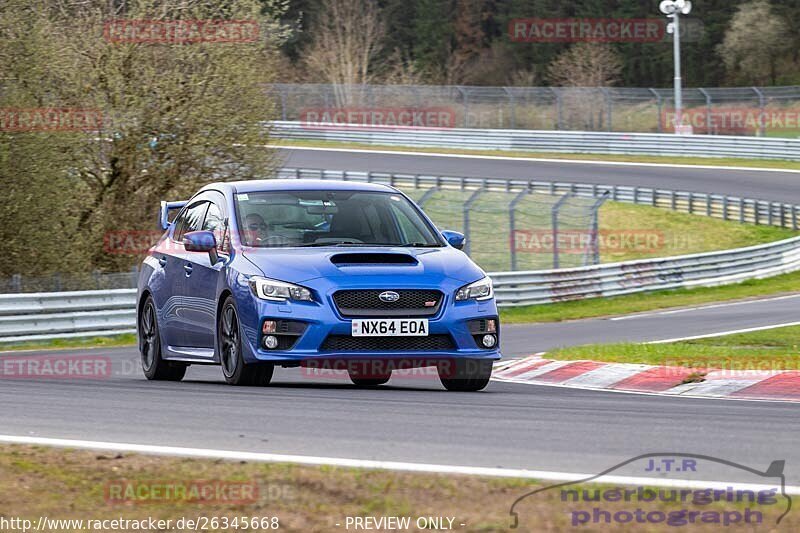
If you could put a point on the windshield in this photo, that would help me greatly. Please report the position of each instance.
(331, 218)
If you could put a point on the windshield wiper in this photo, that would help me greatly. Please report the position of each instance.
(419, 245)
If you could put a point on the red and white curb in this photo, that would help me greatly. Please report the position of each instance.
(783, 385)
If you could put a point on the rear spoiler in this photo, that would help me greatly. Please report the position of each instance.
(166, 207)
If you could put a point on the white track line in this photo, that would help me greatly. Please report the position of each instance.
(721, 333)
(203, 453)
(535, 159)
(703, 307)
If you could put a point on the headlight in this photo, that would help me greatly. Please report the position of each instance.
(480, 290)
(272, 289)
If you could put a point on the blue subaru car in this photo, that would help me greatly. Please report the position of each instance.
(342, 275)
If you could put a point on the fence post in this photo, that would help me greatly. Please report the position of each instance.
(467, 206)
(762, 127)
(512, 227)
(708, 109)
(594, 247)
(426, 196)
(16, 283)
(282, 92)
(554, 224)
(511, 109)
(658, 107)
(607, 94)
(559, 118)
(465, 99)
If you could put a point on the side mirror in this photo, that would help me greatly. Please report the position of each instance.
(455, 239)
(201, 241)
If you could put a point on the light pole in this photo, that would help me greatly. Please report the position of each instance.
(673, 9)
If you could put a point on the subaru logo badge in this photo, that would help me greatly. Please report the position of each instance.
(389, 296)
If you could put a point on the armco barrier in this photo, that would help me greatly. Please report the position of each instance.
(53, 315)
(91, 313)
(547, 141)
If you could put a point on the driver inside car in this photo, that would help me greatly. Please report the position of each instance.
(256, 229)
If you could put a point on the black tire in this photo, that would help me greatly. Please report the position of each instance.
(465, 375)
(155, 368)
(234, 369)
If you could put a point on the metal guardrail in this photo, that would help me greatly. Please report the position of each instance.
(615, 279)
(50, 315)
(55, 315)
(92, 313)
(732, 208)
(588, 142)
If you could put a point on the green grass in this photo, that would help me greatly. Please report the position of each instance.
(126, 339)
(676, 233)
(644, 231)
(72, 484)
(635, 303)
(716, 161)
(772, 349)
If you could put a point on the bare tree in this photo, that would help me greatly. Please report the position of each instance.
(585, 65)
(582, 71)
(754, 43)
(175, 115)
(347, 38)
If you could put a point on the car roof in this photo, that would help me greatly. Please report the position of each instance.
(298, 185)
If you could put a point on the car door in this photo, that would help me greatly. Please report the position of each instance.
(202, 282)
(168, 295)
(178, 319)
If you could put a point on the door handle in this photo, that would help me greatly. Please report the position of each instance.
(162, 261)
(188, 268)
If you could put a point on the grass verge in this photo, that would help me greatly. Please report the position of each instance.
(636, 303)
(714, 161)
(81, 485)
(771, 349)
(126, 339)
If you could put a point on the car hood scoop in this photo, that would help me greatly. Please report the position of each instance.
(371, 266)
(372, 258)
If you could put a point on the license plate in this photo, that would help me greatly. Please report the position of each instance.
(390, 327)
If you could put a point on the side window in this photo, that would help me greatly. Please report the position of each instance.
(215, 221)
(191, 220)
(411, 232)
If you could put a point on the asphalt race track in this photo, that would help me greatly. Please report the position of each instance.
(413, 419)
(779, 186)
(522, 339)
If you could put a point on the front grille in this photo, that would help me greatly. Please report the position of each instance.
(346, 343)
(412, 303)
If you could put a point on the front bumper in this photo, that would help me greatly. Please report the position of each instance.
(322, 320)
